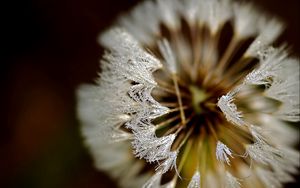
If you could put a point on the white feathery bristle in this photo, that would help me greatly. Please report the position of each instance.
(150, 109)
(168, 55)
(195, 181)
(287, 92)
(229, 109)
(222, 152)
(277, 128)
(130, 67)
(272, 61)
(139, 180)
(152, 148)
(189, 9)
(215, 13)
(121, 42)
(256, 132)
(286, 165)
(255, 152)
(101, 124)
(213, 178)
(291, 162)
(245, 18)
(268, 178)
(142, 22)
(117, 39)
(288, 64)
(135, 168)
(282, 175)
(154, 181)
(231, 181)
(260, 50)
(289, 112)
(283, 161)
(171, 184)
(168, 11)
(120, 135)
(169, 163)
(86, 104)
(269, 30)
(264, 153)
(115, 159)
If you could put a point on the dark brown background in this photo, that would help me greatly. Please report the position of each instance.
(48, 48)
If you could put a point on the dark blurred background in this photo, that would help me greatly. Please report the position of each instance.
(48, 48)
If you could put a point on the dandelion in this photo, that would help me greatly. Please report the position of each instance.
(192, 94)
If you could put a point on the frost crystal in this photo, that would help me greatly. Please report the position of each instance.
(264, 153)
(269, 68)
(168, 163)
(229, 109)
(222, 152)
(153, 148)
(195, 182)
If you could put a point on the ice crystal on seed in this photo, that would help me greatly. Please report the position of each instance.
(230, 109)
(173, 85)
(263, 153)
(195, 182)
(153, 148)
(222, 152)
(168, 163)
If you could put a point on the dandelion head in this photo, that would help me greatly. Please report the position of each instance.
(192, 94)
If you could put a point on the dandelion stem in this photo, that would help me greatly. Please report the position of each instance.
(166, 89)
(199, 146)
(233, 138)
(163, 86)
(178, 44)
(173, 129)
(179, 99)
(228, 54)
(186, 136)
(178, 109)
(186, 151)
(210, 104)
(197, 38)
(167, 122)
(179, 125)
(169, 104)
(163, 83)
(212, 129)
(208, 57)
(204, 165)
(180, 81)
(236, 67)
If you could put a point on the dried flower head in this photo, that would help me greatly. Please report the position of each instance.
(191, 94)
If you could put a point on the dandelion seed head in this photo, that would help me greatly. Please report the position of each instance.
(192, 87)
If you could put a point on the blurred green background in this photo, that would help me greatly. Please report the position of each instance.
(48, 48)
